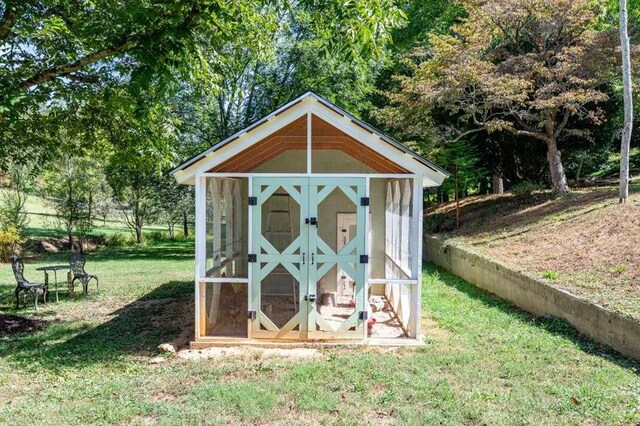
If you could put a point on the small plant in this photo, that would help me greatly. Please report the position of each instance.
(12, 203)
(9, 242)
(550, 275)
(525, 188)
(619, 269)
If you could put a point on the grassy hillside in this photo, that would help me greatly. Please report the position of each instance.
(585, 243)
(43, 223)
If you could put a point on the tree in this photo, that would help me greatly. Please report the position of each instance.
(12, 205)
(134, 192)
(58, 54)
(628, 104)
(530, 69)
(175, 204)
(69, 185)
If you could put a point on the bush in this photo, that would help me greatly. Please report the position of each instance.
(179, 236)
(118, 239)
(9, 242)
(525, 188)
(155, 236)
(440, 222)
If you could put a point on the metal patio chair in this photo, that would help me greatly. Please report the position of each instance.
(25, 287)
(77, 261)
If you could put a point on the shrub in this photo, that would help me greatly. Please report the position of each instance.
(550, 275)
(440, 222)
(155, 236)
(9, 242)
(525, 188)
(179, 236)
(118, 239)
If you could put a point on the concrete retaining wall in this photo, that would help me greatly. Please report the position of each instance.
(602, 325)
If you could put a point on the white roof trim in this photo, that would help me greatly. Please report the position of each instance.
(286, 114)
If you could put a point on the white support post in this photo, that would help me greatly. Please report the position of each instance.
(367, 244)
(416, 254)
(249, 268)
(309, 146)
(200, 230)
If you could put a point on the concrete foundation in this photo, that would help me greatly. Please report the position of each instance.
(537, 297)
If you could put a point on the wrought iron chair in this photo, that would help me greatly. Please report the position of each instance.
(77, 261)
(23, 286)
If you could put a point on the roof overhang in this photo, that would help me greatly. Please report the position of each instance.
(309, 102)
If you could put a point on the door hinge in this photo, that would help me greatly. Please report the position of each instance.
(364, 201)
(252, 315)
(252, 258)
(253, 201)
(364, 258)
(364, 315)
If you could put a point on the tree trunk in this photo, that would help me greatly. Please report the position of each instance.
(628, 105)
(71, 242)
(457, 200)
(579, 170)
(185, 224)
(138, 234)
(498, 184)
(558, 178)
(484, 186)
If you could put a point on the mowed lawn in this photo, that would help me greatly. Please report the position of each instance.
(484, 362)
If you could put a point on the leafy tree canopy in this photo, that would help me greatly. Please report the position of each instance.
(527, 68)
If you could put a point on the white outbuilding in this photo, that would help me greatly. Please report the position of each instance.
(308, 228)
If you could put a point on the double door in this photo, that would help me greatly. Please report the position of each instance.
(295, 258)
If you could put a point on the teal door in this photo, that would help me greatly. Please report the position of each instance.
(294, 287)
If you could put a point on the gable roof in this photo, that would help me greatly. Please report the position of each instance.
(435, 172)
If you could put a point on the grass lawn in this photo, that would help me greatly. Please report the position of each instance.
(484, 362)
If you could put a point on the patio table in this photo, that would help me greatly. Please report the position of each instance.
(55, 269)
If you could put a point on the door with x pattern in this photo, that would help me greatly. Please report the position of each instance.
(336, 314)
(295, 258)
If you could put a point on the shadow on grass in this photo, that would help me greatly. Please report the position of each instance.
(163, 315)
(165, 250)
(554, 325)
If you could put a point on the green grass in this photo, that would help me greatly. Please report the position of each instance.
(484, 362)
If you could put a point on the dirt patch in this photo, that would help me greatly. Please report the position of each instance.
(585, 243)
(13, 324)
(250, 352)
